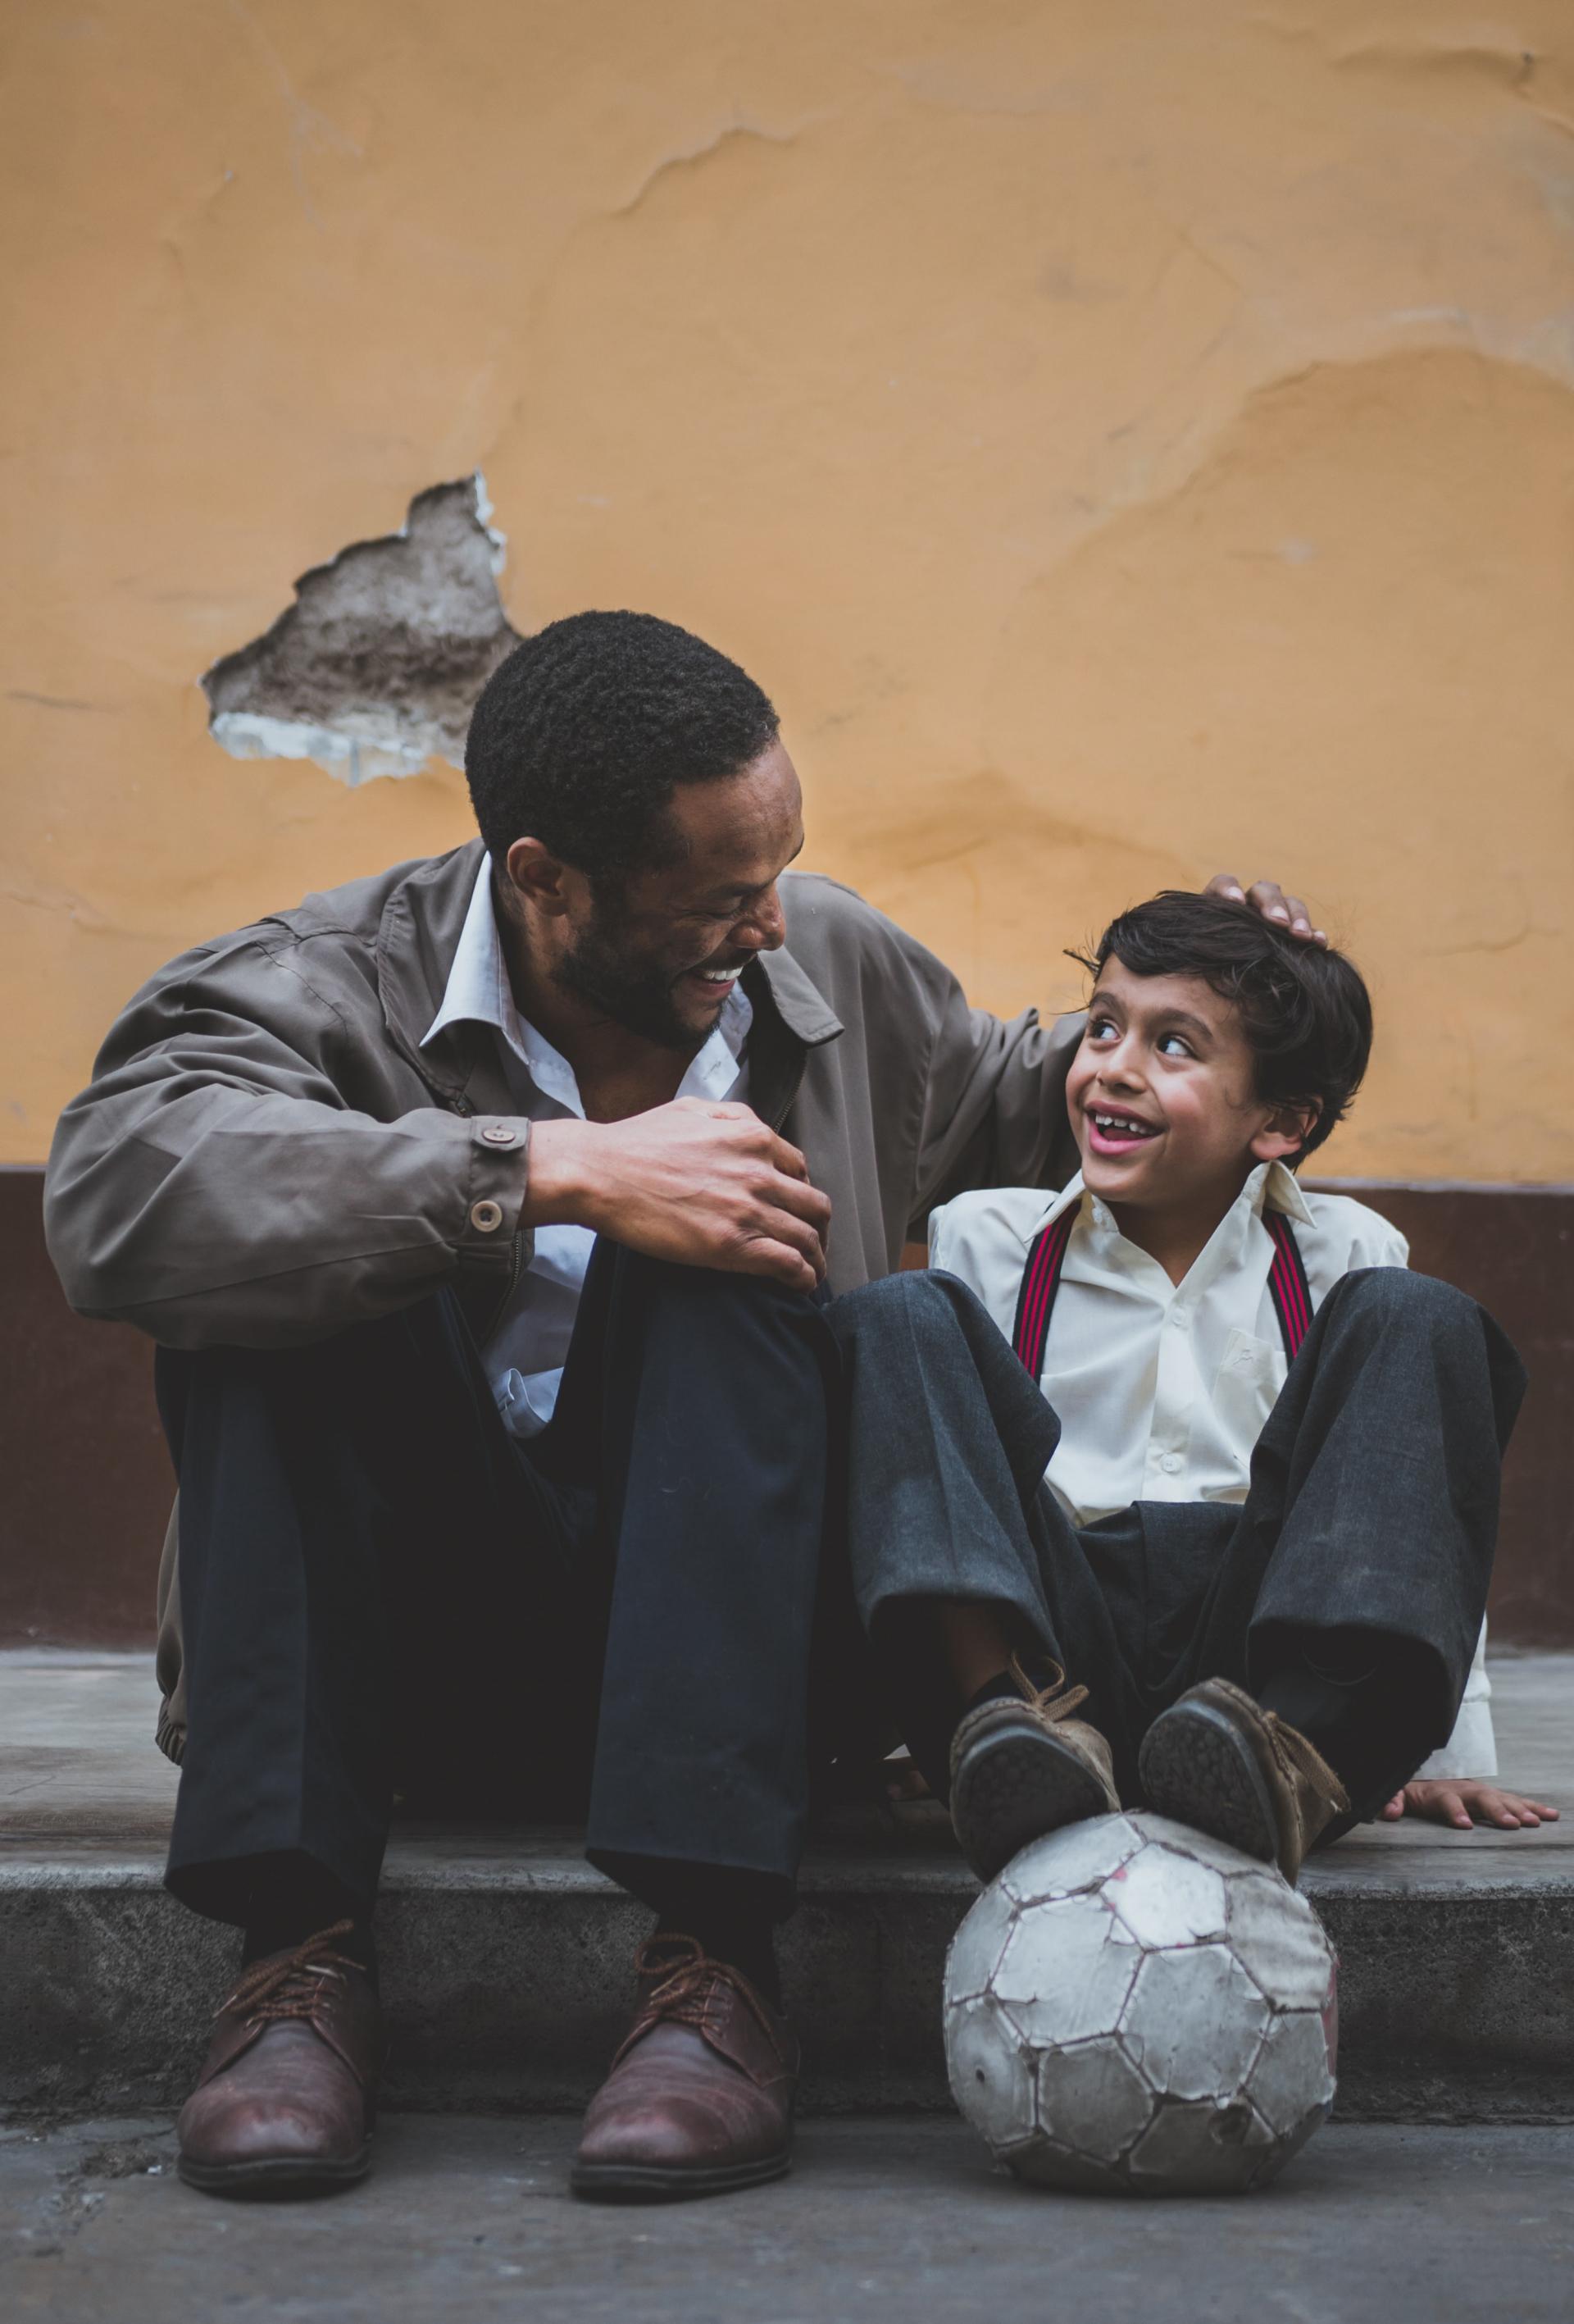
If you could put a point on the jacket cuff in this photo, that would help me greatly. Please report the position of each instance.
(494, 1187)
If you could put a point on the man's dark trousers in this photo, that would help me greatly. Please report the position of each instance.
(1368, 1529)
(633, 1616)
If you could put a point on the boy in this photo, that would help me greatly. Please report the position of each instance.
(1232, 1561)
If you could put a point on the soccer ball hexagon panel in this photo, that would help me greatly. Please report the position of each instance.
(1135, 2007)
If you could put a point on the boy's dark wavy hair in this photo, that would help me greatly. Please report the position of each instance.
(1304, 1009)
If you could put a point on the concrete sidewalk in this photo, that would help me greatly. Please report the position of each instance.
(506, 1958)
(890, 2221)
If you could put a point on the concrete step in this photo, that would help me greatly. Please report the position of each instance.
(506, 1958)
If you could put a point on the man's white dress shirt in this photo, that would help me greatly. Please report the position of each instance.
(1163, 1388)
(525, 1356)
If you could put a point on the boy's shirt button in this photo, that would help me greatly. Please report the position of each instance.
(1170, 1463)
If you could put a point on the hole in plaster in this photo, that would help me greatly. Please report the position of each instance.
(375, 668)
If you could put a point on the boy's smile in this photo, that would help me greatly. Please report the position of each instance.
(1163, 1098)
(1115, 1132)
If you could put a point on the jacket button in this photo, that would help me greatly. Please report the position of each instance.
(496, 1135)
(486, 1217)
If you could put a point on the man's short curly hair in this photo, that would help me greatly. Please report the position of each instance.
(581, 735)
(1304, 1007)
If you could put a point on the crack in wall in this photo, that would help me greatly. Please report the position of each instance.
(375, 668)
(672, 164)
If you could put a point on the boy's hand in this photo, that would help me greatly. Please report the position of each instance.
(1267, 897)
(1465, 1801)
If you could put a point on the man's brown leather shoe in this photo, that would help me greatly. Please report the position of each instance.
(1220, 1762)
(1022, 1765)
(700, 2097)
(285, 2099)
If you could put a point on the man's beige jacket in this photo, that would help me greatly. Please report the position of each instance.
(266, 1154)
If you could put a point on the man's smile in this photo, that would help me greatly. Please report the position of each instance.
(715, 981)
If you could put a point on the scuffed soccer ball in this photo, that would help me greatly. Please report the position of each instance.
(1134, 2006)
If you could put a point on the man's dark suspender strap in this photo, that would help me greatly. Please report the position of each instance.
(1287, 1287)
(1039, 1284)
(1287, 1284)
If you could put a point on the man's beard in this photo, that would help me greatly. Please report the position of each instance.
(633, 991)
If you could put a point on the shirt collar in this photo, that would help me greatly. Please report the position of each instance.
(1281, 1192)
(478, 992)
(1270, 1186)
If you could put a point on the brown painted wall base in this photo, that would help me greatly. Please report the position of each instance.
(87, 1481)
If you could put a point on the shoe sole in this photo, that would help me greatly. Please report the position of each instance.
(654, 2183)
(274, 2175)
(1015, 1787)
(1198, 1768)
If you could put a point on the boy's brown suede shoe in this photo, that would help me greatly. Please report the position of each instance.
(284, 2103)
(1218, 1761)
(700, 2097)
(1022, 1765)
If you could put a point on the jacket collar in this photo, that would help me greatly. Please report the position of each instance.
(418, 939)
(422, 922)
(795, 997)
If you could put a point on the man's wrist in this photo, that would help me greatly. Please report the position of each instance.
(557, 1193)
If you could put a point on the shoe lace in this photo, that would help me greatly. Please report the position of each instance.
(290, 1985)
(1297, 1756)
(685, 1974)
(1053, 1701)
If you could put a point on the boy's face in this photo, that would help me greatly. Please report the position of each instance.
(1163, 1098)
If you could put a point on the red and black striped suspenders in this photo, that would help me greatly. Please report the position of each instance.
(1287, 1287)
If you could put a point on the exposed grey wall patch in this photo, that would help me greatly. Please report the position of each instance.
(375, 668)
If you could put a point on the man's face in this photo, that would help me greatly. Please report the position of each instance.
(659, 951)
(1162, 1095)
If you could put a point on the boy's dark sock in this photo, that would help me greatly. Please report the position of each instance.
(1315, 1704)
(1027, 1673)
(1002, 1688)
(1319, 1679)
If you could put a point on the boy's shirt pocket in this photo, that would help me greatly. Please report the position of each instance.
(1251, 1372)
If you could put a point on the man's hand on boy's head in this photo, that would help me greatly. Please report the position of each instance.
(1466, 1801)
(1267, 897)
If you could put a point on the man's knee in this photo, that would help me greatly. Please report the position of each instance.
(672, 1284)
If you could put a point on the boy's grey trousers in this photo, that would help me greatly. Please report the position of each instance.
(1372, 1509)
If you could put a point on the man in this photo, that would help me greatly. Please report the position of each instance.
(483, 1213)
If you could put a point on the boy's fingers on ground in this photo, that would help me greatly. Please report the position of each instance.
(1393, 1809)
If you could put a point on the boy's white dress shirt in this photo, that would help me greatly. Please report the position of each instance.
(525, 1356)
(1163, 1388)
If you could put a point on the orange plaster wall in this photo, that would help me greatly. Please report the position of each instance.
(1127, 441)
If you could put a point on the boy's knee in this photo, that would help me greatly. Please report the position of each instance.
(914, 1302)
(1393, 1296)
